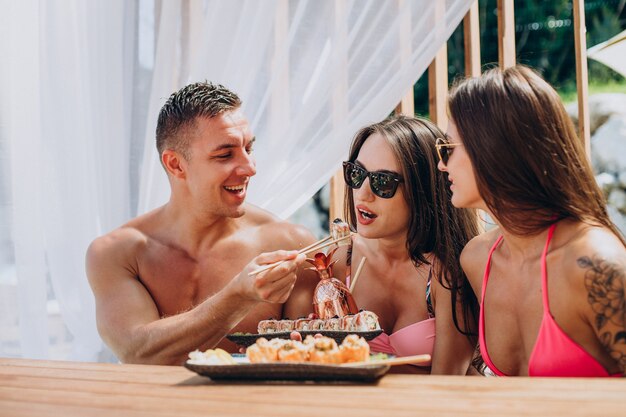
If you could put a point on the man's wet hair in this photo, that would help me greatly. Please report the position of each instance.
(182, 108)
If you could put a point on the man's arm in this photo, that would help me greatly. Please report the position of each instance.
(128, 319)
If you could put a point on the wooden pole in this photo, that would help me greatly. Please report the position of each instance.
(438, 88)
(582, 81)
(438, 77)
(337, 194)
(406, 105)
(506, 33)
(471, 39)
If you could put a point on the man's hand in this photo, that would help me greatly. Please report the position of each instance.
(274, 285)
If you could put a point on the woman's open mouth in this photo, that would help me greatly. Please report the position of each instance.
(364, 216)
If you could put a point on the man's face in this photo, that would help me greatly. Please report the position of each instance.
(220, 164)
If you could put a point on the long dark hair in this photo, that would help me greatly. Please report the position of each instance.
(435, 226)
(530, 166)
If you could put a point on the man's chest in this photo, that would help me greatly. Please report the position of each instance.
(178, 281)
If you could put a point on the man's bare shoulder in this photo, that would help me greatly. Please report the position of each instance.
(120, 248)
(115, 248)
(123, 238)
(276, 233)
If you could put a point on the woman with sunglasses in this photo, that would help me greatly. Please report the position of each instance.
(412, 238)
(551, 276)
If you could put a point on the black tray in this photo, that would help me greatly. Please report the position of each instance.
(289, 372)
(246, 339)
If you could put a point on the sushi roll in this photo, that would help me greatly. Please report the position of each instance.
(302, 324)
(293, 351)
(354, 349)
(346, 322)
(332, 324)
(339, 229)
(264, 351)
(267, 326)
(316, 324)
(365, 321)
(324, 350)
(285, 325)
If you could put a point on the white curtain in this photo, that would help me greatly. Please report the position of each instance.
(611, 53)
(81, 84)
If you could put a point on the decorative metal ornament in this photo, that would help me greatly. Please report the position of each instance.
(331, 297)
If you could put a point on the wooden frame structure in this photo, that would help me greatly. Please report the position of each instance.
(438, 76)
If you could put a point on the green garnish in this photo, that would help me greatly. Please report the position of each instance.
(379, 356)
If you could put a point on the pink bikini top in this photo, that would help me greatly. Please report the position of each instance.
(554, 353)
(414, 339)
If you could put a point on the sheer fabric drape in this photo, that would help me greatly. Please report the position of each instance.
(80, 88)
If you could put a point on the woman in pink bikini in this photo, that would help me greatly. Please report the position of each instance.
(551, 276)
(412, 238)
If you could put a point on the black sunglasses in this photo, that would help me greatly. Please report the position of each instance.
(444, 149)
(383, 184)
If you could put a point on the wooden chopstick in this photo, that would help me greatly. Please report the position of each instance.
(308, 249)
(332, 242)
(314, 244)
(404, 360)
(303, 250)
(357, 273)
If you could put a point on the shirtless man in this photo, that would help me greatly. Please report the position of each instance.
(176, 279)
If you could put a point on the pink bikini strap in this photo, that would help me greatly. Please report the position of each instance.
(481, 322)
(488, 269)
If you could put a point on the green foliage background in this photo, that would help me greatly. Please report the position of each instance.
(544, 40)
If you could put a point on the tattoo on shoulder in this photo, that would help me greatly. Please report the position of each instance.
(605, 285)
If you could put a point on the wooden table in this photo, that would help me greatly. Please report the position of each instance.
(49, 388)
